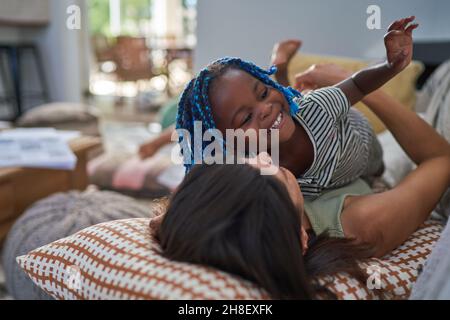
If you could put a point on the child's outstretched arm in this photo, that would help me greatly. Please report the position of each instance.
(398, 42)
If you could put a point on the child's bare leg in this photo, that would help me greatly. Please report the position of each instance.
(282, 54)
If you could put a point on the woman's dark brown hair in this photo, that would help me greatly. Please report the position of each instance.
(234, 219)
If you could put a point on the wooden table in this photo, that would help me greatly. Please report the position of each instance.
(21, 187)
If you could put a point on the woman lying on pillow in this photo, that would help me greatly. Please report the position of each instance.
(259, 227)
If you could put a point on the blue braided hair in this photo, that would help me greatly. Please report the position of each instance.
(195, 104)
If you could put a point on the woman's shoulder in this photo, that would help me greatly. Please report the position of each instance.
(324, 212)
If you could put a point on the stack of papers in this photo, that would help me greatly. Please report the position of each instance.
(37, 148)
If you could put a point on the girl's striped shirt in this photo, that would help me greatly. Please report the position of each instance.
(341, 137)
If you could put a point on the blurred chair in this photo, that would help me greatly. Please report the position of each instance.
(102, 48)
(132, 58)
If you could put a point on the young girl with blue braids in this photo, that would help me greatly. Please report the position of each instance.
(322, 140)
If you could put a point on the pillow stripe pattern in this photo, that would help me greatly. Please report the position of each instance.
(121, 260)
(393, 275)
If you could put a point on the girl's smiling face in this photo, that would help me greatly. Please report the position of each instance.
(240, 101)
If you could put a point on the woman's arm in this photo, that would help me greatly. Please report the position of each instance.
(417, 138)
(387, 219)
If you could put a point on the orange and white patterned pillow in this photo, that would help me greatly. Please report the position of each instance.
(121, 260)
(392, 276)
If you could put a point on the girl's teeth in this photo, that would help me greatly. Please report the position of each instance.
(277, 122)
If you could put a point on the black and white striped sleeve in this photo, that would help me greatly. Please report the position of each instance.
(332, 100)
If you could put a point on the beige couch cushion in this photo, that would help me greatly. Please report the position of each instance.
(62, 116)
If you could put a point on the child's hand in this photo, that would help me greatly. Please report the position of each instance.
(399, 48)
(399, 44)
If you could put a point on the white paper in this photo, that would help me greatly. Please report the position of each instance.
(66, 135)
(37, 148)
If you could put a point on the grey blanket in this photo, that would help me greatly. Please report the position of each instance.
(434, 282)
